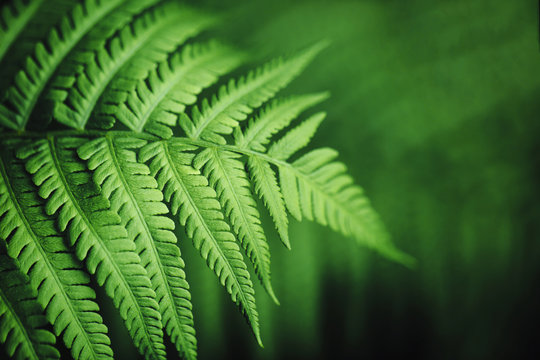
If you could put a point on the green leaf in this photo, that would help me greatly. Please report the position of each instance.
(273, 118)
(14, 16)
(97, 235)
(77, 202)
(104, 72)
(235, 101)
(199, 211)
(266, 186)
(319, 188)
(227, 176)
(134, 194)
(21, 97)
(63, 287)
(290, 191)
(23, 329)
(296, 139)
(154, 103)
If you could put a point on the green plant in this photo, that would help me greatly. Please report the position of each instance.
(98, 148)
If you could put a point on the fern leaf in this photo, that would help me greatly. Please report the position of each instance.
(275, 117)
(98, 237)
(76, 203)
(289, 190)
(238, 99)
(157, 100)
(28, 84)
(134, 195)
(14, 16)
(61, 283)
(124, 54)
(267, 188)
(227, 176)
(296, 138)
(23, 329)
(199, 211)
(318, 188)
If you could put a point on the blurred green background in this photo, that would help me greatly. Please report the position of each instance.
(435, 109)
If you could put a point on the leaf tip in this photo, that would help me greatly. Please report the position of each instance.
(270, 291)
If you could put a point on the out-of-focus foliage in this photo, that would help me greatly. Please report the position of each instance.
(434, 105)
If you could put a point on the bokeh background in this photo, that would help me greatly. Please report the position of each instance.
(435, 108)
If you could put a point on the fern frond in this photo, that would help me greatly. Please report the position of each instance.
(13, 18)
(319, 188)
(157, 100)
(97, 235)
(199, 211)
(296, 138)
(134, 195)
(266, 186)
(61, 283)
(275, 117)
(110, 63)
(237, 99)
(22, 95)
(23, 326)
(227, 176)
(91, 195)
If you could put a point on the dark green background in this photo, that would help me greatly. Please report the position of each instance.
(435, 108)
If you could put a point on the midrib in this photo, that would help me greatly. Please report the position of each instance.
(119, 63)
(61, 53)
(222, 255)
(44, 256)
(242, 212)
(96, 237)
(142, 221)
(21, 326)
(246, 88)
